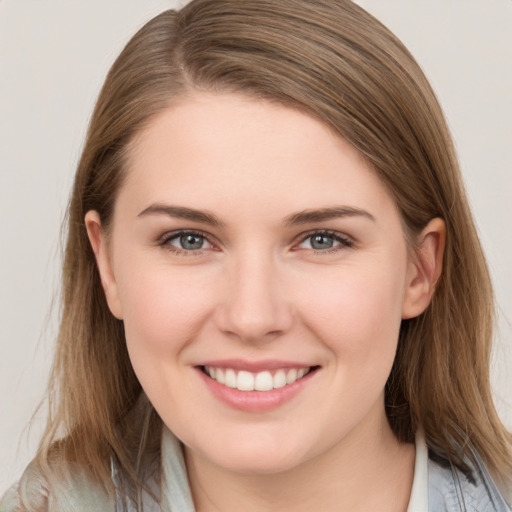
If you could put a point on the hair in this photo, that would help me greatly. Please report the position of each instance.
(333, 61)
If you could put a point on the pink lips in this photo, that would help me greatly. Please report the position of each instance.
(254, 401)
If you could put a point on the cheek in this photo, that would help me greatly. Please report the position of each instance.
(163, 309)
(357, 313)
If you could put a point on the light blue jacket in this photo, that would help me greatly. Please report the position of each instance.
(450, 490)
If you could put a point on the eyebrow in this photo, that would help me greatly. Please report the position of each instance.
(302, 217)
(309, 216)
(182, 212)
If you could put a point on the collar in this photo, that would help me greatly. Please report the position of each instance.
(418, 502)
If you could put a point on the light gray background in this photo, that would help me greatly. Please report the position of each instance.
(54, 55)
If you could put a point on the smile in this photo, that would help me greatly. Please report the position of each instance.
(260, 381)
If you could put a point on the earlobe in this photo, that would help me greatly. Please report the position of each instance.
(103, 262)
(425, 268)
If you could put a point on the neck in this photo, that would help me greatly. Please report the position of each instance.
(362, 472)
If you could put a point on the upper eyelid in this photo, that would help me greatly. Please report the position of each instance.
(335, 234)
(168, 235)
(163, 240)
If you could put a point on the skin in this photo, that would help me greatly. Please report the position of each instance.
(258, 290)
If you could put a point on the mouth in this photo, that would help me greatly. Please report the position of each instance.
(257, 386)
(265, 381)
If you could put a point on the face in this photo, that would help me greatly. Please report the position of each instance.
(261, 272)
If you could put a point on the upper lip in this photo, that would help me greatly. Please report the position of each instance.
(255, 366)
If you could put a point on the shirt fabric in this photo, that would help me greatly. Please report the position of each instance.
(418, 502)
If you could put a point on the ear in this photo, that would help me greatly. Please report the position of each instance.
(425, 268)
(99, 246)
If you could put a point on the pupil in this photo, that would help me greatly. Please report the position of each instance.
(322, 242)
(191, 242)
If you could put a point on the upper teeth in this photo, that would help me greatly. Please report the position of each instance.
(261, 381)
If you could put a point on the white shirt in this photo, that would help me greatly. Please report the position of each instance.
(418, 502)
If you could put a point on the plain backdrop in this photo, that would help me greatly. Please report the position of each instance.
(54, 55)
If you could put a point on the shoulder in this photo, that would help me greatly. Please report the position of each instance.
(30, 493)
(75, 493)
(10, 502)
(451, 490)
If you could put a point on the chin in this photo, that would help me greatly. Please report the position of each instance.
(256, 458)
(262, 464)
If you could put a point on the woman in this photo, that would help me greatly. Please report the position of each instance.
(265, 300)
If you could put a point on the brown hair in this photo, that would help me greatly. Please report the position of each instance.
(336, 62)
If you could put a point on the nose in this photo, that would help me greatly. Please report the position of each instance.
(254, 307)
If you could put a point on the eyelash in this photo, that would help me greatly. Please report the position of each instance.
(168, 237)
(344, 241)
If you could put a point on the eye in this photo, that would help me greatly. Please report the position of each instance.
(186, 241)
(324, 241)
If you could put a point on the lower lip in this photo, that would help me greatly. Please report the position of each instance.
(255, 401)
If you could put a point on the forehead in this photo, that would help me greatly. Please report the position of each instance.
(212, 148)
